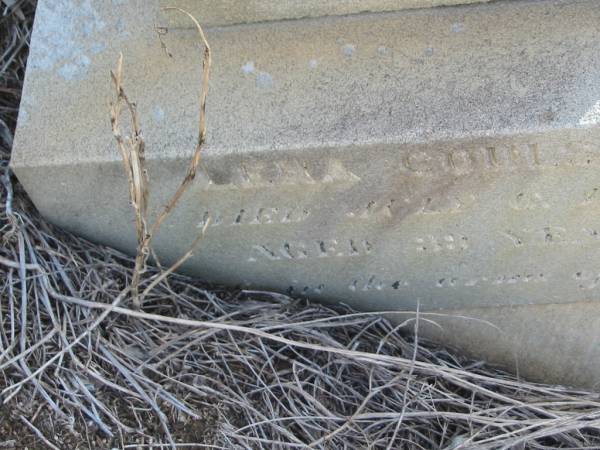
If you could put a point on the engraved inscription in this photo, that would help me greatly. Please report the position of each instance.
(419, 162)
(321, 248)
(374, 208)
(305, 289)
(271, 173)
(374, 282)
(495, 280)
(466, 160)
(529, 155)
(435, 244)
(528, 201)
(378, 283)
(389, 208)
(589, 197)
(444, 204)
(255, 216)
(587, 280)
(552, 235)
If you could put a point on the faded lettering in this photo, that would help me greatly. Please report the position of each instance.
(319, 248)
(435, 244)
(272, 173)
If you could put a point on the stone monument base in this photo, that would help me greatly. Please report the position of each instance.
(441, 158)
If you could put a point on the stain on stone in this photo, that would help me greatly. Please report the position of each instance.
(592, 115)
(158, 114)
(64, 38)
(264, 80)
(458, 27)
(248, 67)
(348, 49)
(382, 50)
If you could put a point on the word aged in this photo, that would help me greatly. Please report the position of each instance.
(325, 248)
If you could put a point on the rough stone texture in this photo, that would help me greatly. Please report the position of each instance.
(446, 158)
(229, 12)
(550, 342)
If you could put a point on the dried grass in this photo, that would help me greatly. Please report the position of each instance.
(260, 370)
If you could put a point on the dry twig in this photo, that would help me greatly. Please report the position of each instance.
(132, 149)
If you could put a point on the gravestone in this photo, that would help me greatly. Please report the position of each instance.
(445, 159)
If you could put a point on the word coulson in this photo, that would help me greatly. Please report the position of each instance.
(529, 155)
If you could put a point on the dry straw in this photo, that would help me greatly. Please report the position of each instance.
(132, 149)
(104, 348)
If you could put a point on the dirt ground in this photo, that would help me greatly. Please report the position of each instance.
(15, 433)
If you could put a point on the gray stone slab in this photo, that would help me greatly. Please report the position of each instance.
(551, 343)
(446, 158)
(229, 12)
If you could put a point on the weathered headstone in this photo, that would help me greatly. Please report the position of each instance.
(230, 12)
(446, 158)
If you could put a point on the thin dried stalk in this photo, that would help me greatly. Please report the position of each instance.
(133, 156)
(191, 173)
(132, 151)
